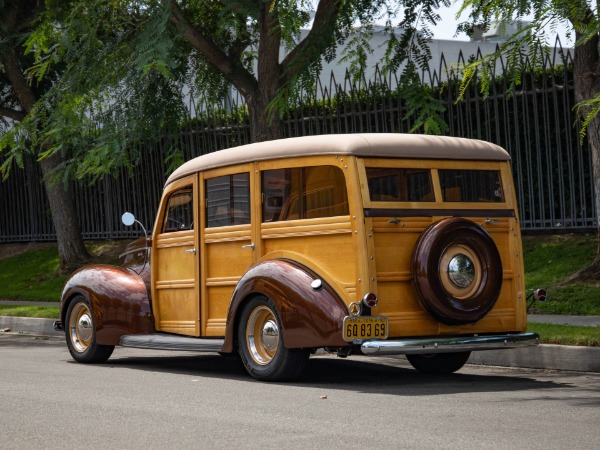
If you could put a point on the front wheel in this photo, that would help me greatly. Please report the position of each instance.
(439, 363)
(81, 334)
(261, 346)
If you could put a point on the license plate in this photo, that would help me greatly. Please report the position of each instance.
(365, 328)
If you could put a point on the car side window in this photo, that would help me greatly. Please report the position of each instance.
(228, 200)
(180, 211)
(303, 193)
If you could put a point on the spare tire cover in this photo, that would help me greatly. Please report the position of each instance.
(457, 271)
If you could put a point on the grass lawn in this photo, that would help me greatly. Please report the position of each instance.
(43, 312)
(551, 259)
(32, 276)
(566, 335)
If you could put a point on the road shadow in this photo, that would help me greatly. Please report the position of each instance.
(394, 376)
(390, 376)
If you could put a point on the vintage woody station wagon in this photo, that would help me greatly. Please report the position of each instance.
(367, 243)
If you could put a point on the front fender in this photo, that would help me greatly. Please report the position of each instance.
(310, 318)
(118, 299)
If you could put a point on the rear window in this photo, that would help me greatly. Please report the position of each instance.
(471, 186)
(399, 185)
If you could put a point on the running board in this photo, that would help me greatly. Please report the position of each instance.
(159, 341)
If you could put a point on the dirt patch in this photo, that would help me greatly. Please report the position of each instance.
(101, 251)
(8, 250)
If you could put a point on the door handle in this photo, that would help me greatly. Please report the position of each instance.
(191, 250)
(249, 246)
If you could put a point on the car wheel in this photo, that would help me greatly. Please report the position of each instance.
(457, 271)
(261, 346)
(439, 363)
(81, 334)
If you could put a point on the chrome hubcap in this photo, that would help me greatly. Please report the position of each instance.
(461, 271)
(262, 335)
(81, 329)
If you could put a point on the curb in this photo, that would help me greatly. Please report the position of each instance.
(544, 356)
(30, 325)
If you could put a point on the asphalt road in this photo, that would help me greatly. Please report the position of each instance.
(152, 399)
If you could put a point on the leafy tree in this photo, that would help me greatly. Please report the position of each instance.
(146, 55)
(583, 19)
(19, 99)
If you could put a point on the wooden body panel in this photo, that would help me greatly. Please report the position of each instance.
(393, 240)
(225, 263)
(393, 246)
(362, 251)
(175, 280)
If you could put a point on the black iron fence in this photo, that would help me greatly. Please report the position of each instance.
(535, 122)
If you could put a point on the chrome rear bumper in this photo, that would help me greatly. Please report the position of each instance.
(445, 344)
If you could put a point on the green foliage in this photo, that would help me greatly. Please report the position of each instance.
(121, 69)
(530, 40)
(589, 109)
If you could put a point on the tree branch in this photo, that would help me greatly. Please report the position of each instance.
(232, 70)
(310, 48)
(13, 114)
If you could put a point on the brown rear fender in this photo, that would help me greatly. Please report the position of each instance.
(118, 299)
(310, 318)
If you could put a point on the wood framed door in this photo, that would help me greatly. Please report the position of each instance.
(228, 248)
(175, 261)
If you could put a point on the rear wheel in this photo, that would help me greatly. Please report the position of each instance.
(81, 334)
(261, 346)
(439, 363)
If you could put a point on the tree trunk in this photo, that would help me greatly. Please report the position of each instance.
(71, 249)
(586, 70)
(266, 125)
(262, 126)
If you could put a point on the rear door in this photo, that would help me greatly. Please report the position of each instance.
(228, 248)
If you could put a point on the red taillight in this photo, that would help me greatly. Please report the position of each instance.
(370, 300)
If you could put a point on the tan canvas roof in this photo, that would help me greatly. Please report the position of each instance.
(384, 145)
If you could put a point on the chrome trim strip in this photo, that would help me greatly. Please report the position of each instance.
(432, 212)
(446, 344)
(159, 341)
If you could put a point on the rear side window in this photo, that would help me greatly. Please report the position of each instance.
(180, 211)
(399, 185)
(228, 200)
(303, 193)
(471, 186)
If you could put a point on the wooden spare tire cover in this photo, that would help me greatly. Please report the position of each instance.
(457, 271)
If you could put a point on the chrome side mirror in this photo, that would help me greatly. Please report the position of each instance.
(128, 219)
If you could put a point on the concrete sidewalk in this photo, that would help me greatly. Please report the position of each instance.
(550, 357)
